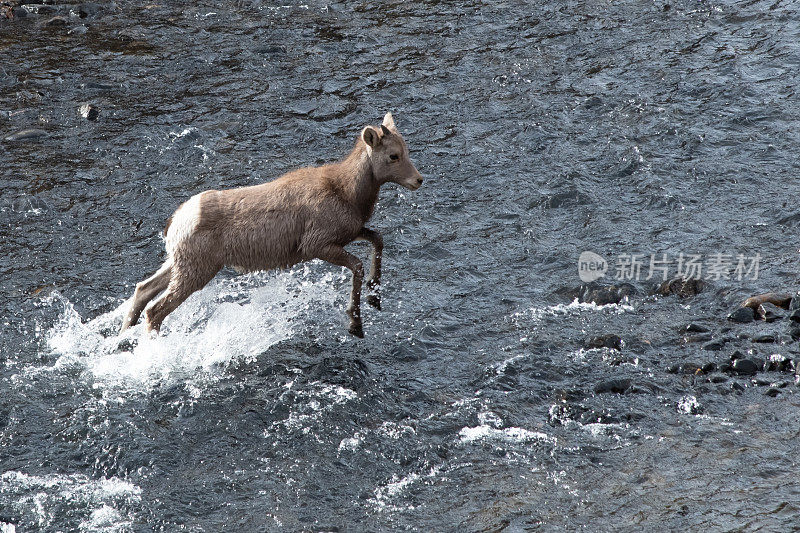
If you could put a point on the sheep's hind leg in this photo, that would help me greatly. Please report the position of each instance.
(180, 288)
(145, 291)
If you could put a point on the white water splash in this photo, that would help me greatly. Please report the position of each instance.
(228, 320)
(508, 435)
(41, 498)
(384, 495)
(573, 308)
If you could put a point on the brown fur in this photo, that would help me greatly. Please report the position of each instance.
(310, 213)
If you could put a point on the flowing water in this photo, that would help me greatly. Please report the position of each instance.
(474, 403)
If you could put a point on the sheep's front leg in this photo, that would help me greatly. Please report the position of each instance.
(339, 256)
(374, 278)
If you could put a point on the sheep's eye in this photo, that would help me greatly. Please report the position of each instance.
(394, 157)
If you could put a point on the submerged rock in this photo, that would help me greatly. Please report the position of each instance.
(778, 363)
(769, 312)
(744, 367)
(705, 337)
(764, 338)
(683, 288)
(611, 341)
(605, 294)
(616, 386)
(685, 368)
(742, 315)
(89, 111)
(715, 345)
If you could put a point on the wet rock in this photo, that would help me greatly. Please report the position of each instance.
(744, 367)
(737, 387)
(605, 294)
(683, 288)
(596, 416)
(764, 338)
(615, 386)
(40, 9)
(698, 338)
(26, 135)
(769, 312)
(685, 368)
(778, 363)
(709, 367)
(613, 342)
(689, 405)
(615, 358)
(716, 345)
(742, 315)
(794, 315)
(696, 328)
(772, 391)
(794, 332)
(718, 379)
(89, 111)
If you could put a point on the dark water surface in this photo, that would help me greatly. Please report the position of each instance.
(543, 129)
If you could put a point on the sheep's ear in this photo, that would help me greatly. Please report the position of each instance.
(371, 136)
(388, 121)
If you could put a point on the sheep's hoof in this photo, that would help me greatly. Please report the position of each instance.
(374, 300)
(357, 330)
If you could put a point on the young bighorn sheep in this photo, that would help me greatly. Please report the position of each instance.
(310, 213)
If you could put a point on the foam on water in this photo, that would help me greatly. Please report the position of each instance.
(384, 495)
(574, 308)
(41, 499)
(509, 435)
(228, 320)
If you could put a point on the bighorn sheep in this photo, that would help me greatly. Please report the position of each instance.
(310, 213)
